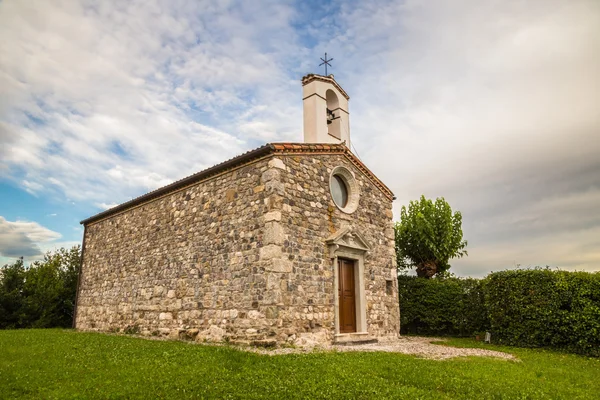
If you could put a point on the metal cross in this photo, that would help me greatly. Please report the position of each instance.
(326, 63)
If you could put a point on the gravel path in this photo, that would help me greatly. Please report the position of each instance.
(419, 346)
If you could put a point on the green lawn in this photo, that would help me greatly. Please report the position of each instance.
(66, 364)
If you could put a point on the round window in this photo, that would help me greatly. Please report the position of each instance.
(344, 189)
(339, 191)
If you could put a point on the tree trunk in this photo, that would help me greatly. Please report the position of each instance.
(426, 269)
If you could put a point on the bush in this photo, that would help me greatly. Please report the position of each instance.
(526, 308)
(545, 308)
(441, 306)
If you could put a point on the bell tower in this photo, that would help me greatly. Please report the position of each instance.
(326, 117)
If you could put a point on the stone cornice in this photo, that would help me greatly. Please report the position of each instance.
(329, 79)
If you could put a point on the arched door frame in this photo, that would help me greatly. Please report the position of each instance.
(350, 246)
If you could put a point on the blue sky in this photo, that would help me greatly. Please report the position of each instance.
(491, 104)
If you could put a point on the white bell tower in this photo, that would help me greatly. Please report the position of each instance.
(326, 117)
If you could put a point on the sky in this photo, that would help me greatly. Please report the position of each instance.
(493, 105)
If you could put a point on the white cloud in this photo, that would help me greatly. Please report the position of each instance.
(24, 239)
(106, 206)
(109, 100)
(31, 187)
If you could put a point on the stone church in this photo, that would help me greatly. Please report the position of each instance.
(290, 242)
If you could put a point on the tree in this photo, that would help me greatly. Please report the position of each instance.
(50, 287)
(12, 280)
(41, 295)
(428, 236)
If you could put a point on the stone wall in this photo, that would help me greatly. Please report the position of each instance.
(309, 217)
(189, 259)
(240, 257)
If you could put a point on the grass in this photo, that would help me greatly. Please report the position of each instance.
(57, 364)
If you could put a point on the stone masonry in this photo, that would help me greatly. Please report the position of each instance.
(239, 254)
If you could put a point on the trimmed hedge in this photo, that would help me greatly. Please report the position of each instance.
(526, 308)
(448, 306)
(545, 308)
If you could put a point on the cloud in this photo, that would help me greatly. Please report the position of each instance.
(31, 187)
(567, 250)
(23, 238)
(106, 206)
(489, 104)
(110, 100)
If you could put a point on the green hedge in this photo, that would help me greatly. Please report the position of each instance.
(545, 308)
(449, 306)
(526, 308)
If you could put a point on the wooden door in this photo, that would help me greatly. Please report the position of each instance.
(346, 296)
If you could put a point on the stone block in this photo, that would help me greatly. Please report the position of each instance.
(273, 281)
(253, 314)
(165, 316)
(270, 252)
(274, 202)
(230, 195)
(389, 233)
(192, 333)
(212, 334)
(273, 233)
(277, 163)
(272, 297)
(279, 265)
(272, 312)
(272, 216)
(270, 175)
(275, 187)
(164, 331)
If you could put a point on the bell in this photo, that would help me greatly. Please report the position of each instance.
(330, 116)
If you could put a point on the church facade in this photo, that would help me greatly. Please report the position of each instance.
(290, 242)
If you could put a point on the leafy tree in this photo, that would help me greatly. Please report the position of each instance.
(12, 280)
(428, 236)
(42, 295)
